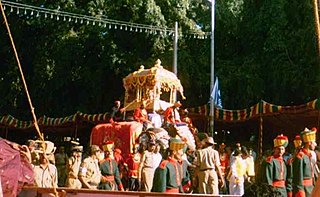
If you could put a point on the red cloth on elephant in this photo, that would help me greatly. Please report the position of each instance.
(15, 171)
(123, 134)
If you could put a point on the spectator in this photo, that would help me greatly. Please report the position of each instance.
(61, 159)
(46, 174)
(73, 167)
(32, 145)
(147, 166)
(90, 174)
(237, 173)
(225, 163)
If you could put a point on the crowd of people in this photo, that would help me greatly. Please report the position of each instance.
(178, 169)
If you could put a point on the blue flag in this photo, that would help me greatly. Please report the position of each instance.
(215, 94)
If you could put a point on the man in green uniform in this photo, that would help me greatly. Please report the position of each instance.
(274, 167)
(302, 168)
(297, 145)
(172, 173)
(110, 179)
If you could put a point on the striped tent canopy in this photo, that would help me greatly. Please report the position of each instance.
(262, 108)
(12, 122)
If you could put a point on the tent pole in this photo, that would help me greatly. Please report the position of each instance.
(260, 134)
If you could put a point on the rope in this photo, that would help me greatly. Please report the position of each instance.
(25, 87)
(21, 73)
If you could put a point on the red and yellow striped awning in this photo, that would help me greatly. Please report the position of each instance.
(262, 108)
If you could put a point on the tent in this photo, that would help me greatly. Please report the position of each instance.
(262, 120)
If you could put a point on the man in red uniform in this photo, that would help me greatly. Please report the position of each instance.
(140, 114)
(171, 115)
(132, 164)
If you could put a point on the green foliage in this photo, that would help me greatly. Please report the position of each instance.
(263, 50)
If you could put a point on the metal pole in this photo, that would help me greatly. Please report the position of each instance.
(175, 57)
(212, 68)
(175, 49)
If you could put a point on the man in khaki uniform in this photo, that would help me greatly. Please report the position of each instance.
(45, 174)
(208, 163)
(73, 167)
(90, 174)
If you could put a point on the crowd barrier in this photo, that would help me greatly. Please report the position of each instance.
(67, 192)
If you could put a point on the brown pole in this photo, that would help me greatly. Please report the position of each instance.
(260, 134)
(317, 25)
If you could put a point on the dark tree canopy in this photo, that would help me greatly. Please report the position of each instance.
(263, 50)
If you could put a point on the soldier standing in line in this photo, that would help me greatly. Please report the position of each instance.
(302, 166)
(90, 174)
(73, 167)
(297, 145)
(274, 170)
(172, 173)
(110, 179)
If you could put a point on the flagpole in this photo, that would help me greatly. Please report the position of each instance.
(212, 68)
(175, 56)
